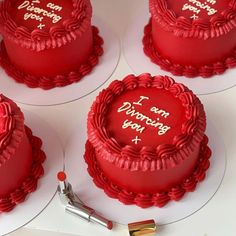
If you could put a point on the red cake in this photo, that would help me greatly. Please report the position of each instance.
(146, 140)
(192, 37)
(21, 156)
(46, 43)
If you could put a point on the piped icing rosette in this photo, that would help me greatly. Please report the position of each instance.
(146, 138)
(192, 38)
(21, 157)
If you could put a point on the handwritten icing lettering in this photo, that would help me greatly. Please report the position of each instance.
(160, 111)
(197, 6)
(132, 125)
(129, 109)
(141, 99)
(38, 14)
(32, 16)
(190, 8)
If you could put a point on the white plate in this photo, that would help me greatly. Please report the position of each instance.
(82, 183)
(47, 184)
(99, 75)
(140, 63)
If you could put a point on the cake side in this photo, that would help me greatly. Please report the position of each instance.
(191, 46)
(20, 156)
(151, 152)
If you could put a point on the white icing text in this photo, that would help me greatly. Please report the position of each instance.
(197, 6)
(129, 109)
(38, 14)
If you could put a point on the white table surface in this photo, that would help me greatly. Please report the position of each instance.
(217, 218)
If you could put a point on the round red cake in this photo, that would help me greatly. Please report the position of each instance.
(146, 140)
(21, 156)
(46, 43)
(192, 37)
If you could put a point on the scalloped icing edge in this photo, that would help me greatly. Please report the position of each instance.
(192, 28)
(27, 40)
(30, 183)
(148, 200)
(47, 83)
(205, 71)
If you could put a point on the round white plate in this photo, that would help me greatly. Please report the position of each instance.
(94, 197)
(99, 75)
(140, 63)
(47, 184)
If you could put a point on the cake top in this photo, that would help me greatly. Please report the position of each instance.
(194, 9)
(195, 18)
(42, 24)
(146, 117)
(11, 128)
(41, 14)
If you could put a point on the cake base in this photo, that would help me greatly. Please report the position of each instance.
(30, 183)
(46, 83)
(159, 199)
(204, 71)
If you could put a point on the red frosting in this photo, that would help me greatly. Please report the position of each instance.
(185, 46)
(146, 136)
(20, 156)
(51, 41)
(202, 9)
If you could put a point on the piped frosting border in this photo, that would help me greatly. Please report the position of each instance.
(189, 71)
(200, 28)
(148, 200)
(163, 156)
(30, 183)
(12, 128)
(56, 36)
(58, 80)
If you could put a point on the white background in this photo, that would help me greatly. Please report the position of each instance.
(217, 218)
